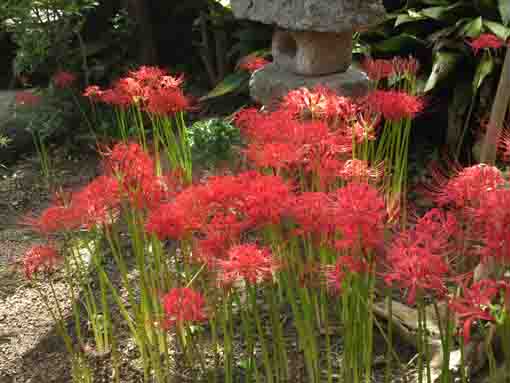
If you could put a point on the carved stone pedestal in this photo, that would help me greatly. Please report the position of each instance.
(269, 84)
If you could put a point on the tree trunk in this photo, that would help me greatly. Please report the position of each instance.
(139, 12)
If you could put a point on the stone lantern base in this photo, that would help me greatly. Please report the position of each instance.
(269, 84)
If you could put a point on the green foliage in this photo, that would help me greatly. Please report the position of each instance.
(44, 29)
(213, 141)
(51, 117)
(441, 30)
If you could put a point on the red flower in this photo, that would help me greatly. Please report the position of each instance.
(56, 218)
(183, 306)
(417, 270)
(97, 203)
(167, 101)
(393, 105)
(345, 265)
(473, 304)
(469, 186)
(93, 92)
(359, 214)
(312, 211)
(405, 66)
(39, 258)
(252, 64)
(248, 262)
(277, 155)
(417, 258)
(319, 103)
(27, 98)
(358, 170)
(64, 79)
(130, 163)
(486, 41)
(148, 74)
(504, 145)
(377, 69)
(492, 218)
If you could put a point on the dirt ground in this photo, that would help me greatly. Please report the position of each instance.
(30, 350)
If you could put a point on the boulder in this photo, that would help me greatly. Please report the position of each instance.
(312, 15)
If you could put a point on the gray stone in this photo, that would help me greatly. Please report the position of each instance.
(312, 53)
(312, 15)
(269, 84)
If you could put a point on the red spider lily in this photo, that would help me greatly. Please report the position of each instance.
(39, 259)
(312, 212)
(319, 103)
(252, 64)
(167, 101)
(504, 145)
(434, 232)
(248, 263)
(129, 162)
(473, 304)
(416, 269)
(183, 305)
(56, 218)
(326, 167)
(93, 92)
(344, 266)
(469, 186)
(378, 69)
(486, 41)
(171, 220)
(393, 105)
(417, 258)
(27, 98)
(116, 97)
(359, 170)
(148, 74)
(493, 218)
(64, 79)
(97, 202)
(276, 155)
(359, 215)
(405, 66)
(228, 204)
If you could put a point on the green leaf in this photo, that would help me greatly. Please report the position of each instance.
(398, 43)
(498, 29)
(444, 64)
(439, 13)
(229, 84)
(472, 28)
(410, 17)
(504, 11)
(484, 68)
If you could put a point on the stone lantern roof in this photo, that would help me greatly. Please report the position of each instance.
(336, 16)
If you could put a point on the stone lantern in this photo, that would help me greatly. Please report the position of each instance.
(312, 44)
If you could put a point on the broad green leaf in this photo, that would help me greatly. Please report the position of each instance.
(229, 84)
(410, 17)
(398, 43)
(484, 68)
(498, 29)
(436, 2)
(504, 11)
(439, 13)
(444, 64)
(472, 28)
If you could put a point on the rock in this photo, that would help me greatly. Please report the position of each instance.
(312, 15)
(271, 83)
(311, 53)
